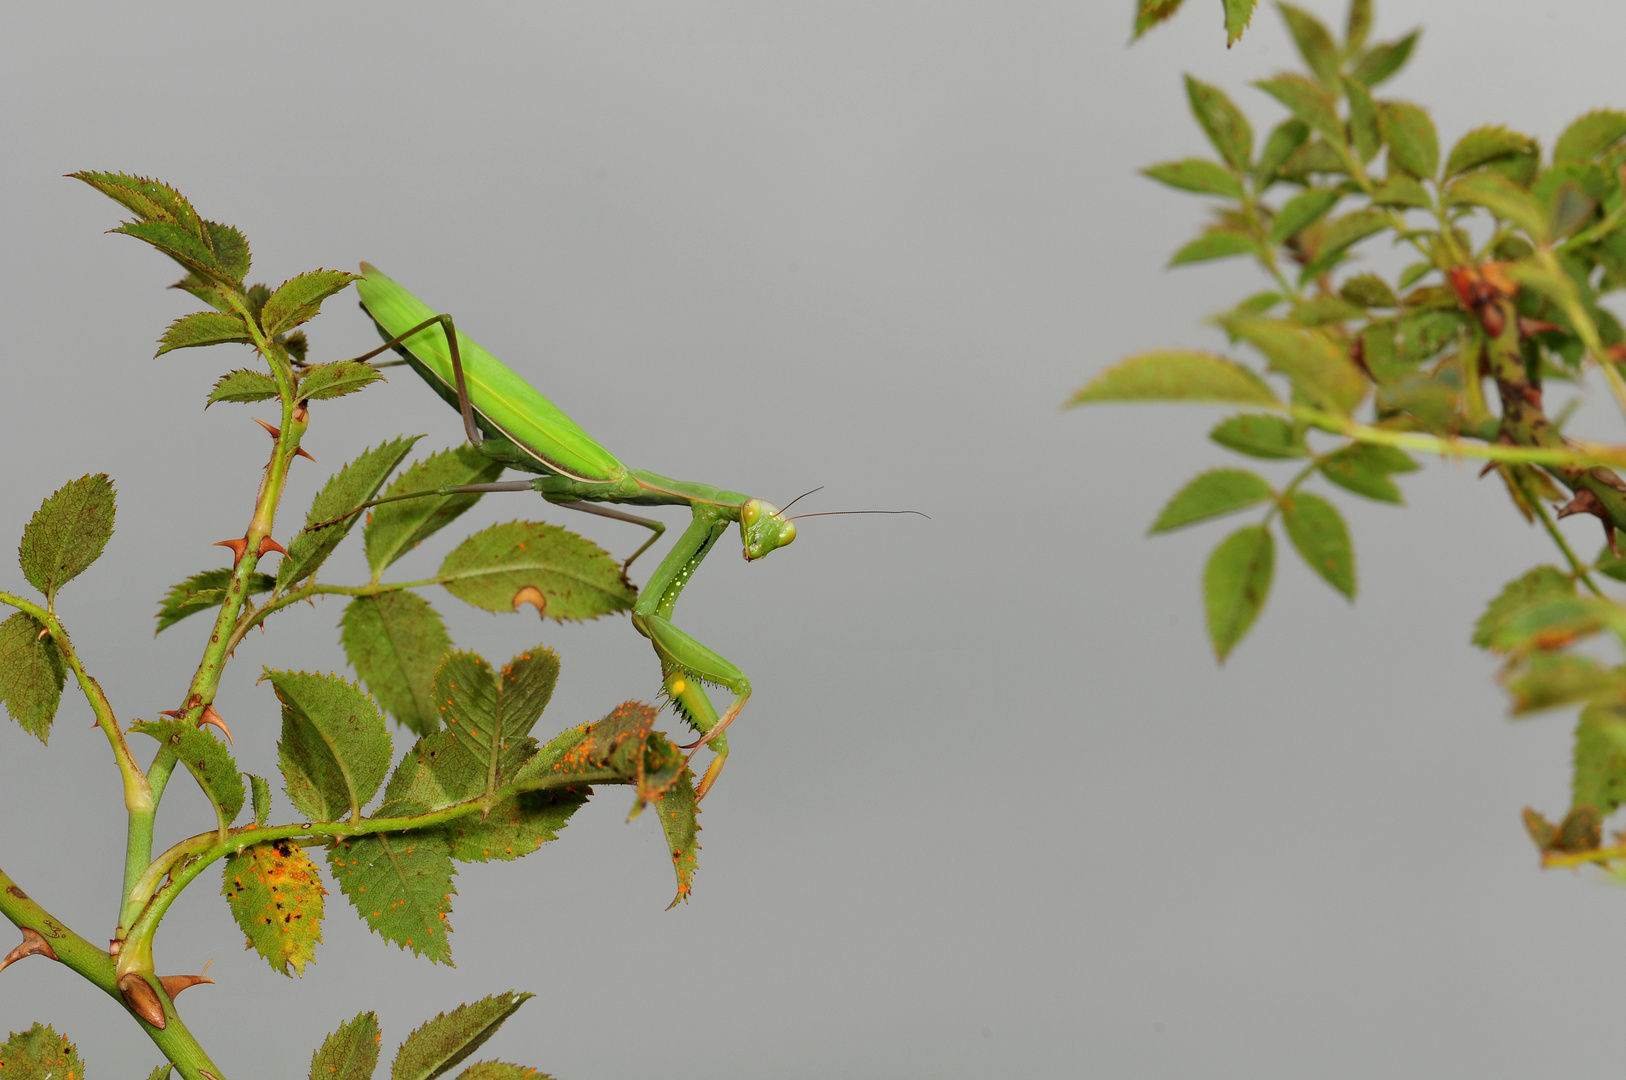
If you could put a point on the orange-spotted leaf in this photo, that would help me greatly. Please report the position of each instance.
(400, 883)
(448, 1039)
(275, 894)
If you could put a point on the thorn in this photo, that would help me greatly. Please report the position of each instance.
(299, 451)
(45, 632)
(1528, 326)
(141, 999)
(237, 548)
(268, 544)
(1585, 502)
(173, 714)
(33, 945)
(301, 413)
(275, 433)
(174, 984)
(211, 717)
(530, 594)
(1490, 467)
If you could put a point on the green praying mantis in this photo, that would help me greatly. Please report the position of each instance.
(508, 420)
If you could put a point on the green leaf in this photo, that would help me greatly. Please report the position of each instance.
(351, 1053)
(1307, 101)
(1485, 145)
(195, 253)
(1422, 334)
(1552, 622)
(1321, 537)
(347, 489)
(1414, 145)
(1600, 757)
(1238, 13)
(1542, 583)
(1358, 25)
(275, 894)
(1341, 234)
(243, 385)
(1364, 469)
(1302, 210)
(1365, 128)
(518, 562)
(395, 528)
(32, 673)
(1590, 136)
(1236, 583)
(149, 200)
(40, 1054)
(1211, 494)
(400, 884)
(334, 749)
(205, 758)
(1196, 174)
(1384, 59)
(437, 772)
(395, 640)
(1176, 375)
(1553, 679)
(204, 592)
(1314, 42)
(323, 381)
(486, 715)
(515, 827)
(501, 1070)
(1413, 273)
(1368, 291)
(260, 791)
(1285, 138)
(678, 810)
(1317, 156)
(67, 533)
(1260, 437)
(1320, 370)
(299, 299)
(1609, 564)
(1222, 121)
(1148, 13)
(203, 328)
(1505, 199)
(444, 1042)
(161, 1072)
(1402, 190)
(622, 748)
(1216, 243)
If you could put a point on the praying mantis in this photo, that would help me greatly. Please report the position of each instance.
(508, 420)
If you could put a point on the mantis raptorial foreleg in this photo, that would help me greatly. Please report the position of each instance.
(686, 664)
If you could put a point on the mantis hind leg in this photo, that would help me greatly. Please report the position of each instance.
(686, 665)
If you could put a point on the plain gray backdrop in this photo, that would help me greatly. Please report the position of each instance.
(994, 810)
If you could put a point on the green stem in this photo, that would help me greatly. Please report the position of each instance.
(251, 619)
(96, 965)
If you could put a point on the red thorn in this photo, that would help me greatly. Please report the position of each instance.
(33, 945)
(275, 433)
(1490, 467)
(268, 544)
(211, 717)
(173, 714)
(299, 451)
(237, 548)
(174, 984)
(1585, 502)
(1527, 327)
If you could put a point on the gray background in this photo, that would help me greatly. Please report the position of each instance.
(993, 810)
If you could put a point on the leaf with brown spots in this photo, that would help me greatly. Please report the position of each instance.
(400, 883)
(275, 894)
(39, 1054)
(577, 578)
(448, 1039)
(351, 1053)
(488, 714)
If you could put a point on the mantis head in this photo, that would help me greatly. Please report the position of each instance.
(763, 528)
